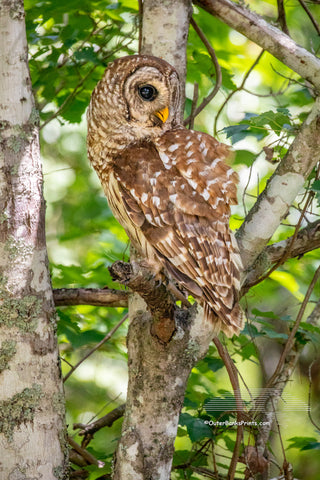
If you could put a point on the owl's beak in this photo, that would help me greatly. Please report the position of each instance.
(162, 114)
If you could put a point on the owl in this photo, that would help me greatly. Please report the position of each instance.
(169, 187)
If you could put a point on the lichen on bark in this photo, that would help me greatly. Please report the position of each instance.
(18, 410)
(7, 351)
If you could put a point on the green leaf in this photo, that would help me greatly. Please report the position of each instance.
(181, 457)
(244, 157)
(248, 351)
(276, 120)
(197, 429)
(303, 443)
(214, 364)
(227, 81)
(260, 313)
(273, 334)
(312, 446)
(316, 186)
(236, 132)
(67, 326)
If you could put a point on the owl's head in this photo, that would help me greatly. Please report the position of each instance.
(138, 95)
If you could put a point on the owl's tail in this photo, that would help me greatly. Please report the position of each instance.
(230, 324)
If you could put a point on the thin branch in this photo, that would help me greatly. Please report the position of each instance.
(266, 403)
(282, 17)
(309, 397)
(238, 89)
(214, 59)
(76, 89)
(105, 421)
(291, 339)
(104, 297)
(307, 239)
(85, 454)
(69, 97)
(270, 38)
(233, 376)
(96, 347)
(306, 9)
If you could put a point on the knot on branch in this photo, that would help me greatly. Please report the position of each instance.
(141, 279)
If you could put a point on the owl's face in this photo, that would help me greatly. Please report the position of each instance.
(149, 98)
(138, 97)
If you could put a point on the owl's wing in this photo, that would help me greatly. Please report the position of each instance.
(185, 207)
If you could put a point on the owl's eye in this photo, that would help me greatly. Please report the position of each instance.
(148, 92)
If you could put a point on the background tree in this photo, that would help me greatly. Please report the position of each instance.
(265, 104)
(32, 429)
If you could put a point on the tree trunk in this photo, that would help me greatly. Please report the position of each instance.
(32, 431)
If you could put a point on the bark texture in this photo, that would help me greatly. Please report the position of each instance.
(158, 373)
(32, 435)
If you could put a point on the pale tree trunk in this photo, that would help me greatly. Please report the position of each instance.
(32, 431)
(162, 349)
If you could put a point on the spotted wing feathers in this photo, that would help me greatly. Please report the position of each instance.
(178, 193)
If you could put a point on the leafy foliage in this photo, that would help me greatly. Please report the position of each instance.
(69, 50)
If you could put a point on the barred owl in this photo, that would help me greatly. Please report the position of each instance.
(168, 186)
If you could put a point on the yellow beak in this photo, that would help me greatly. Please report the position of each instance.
(162, 114)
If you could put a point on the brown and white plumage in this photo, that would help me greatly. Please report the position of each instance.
(168, 186)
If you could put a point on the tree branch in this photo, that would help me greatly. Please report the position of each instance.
(88, 457)
(307, 239)
(157, 296)
(105, 421)
(282, 17)
(104, 297)
(313, 21)
(274, 202)
(267, 36)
